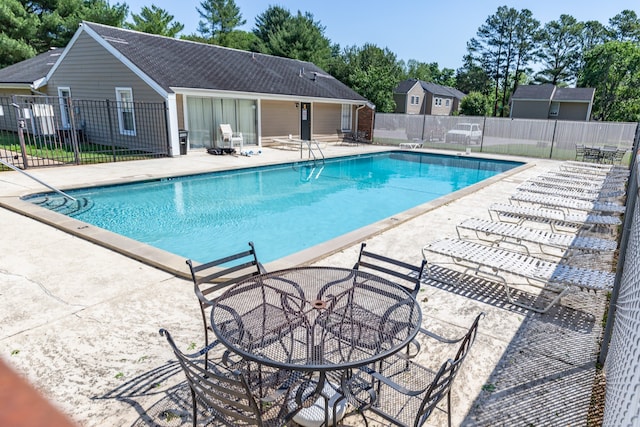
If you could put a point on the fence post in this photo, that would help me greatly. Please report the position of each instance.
(73, 129)
(22, 123)
(113, 146)
(484, 127)
(553, 139)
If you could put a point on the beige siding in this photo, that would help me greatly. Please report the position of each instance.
(280, 119)
(530, 109)
(180, 108)
(92, 73)
(326, 119)
(416, 90)
(572, 111)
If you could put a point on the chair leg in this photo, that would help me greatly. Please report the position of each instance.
(195, 407)
(449, 406)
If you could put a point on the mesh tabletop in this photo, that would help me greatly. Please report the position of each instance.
(316, 318)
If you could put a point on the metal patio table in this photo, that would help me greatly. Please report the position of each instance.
(316, 320)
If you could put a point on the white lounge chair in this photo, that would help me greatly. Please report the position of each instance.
(594, 168)
(566, 204)
(572, 193)
(495, 263)
(592, 178)
(557, 219)
(229, 137)
(498, 232)
(578, 183)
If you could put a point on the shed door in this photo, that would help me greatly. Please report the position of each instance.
(305, 121)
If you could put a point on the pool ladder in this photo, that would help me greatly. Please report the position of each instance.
(312, 152)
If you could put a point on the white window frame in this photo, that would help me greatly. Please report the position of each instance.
(124, 108)
(437, 101)
(447, 102)
(417, 100)
(346, 118)
(64, 93)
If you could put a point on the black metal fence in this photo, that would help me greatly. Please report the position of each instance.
(48, 131)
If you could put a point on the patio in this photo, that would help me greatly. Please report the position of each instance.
(81, 321)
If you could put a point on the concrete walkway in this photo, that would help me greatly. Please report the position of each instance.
(80, 321)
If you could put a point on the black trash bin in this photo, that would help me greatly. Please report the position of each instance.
(183, 137)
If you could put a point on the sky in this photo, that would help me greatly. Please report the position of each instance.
(427, 31)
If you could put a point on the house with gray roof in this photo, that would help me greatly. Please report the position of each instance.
(29, 76)
(548, 101)
(414, 96)
(262, 96)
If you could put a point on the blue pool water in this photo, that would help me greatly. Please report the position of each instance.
(283, 208)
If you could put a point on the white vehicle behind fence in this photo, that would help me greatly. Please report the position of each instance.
(465, 133)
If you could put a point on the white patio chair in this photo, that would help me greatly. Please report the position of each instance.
(229, 137)
(496, 263)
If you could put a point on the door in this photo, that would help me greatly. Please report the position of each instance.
(305, 121)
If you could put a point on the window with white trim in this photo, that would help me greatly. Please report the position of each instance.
(437, 101)
(417, 100)
(447, 102)
(126, 114)
(64, 93)
(345, 122)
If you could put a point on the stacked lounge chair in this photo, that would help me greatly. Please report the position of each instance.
(555, 218)
(570, 201)
(497, 232)
(497, 263)
(566, 204)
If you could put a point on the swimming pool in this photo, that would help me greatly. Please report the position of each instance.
(283, 209)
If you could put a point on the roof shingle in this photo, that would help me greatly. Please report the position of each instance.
(174, 63)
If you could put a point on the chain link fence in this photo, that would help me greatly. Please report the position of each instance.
(553, 139)
(48, 131)
(621, 343)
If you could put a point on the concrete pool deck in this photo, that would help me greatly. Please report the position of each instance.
(80, 321)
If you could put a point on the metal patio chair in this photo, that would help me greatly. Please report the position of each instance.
(406, 393)
(410, 275)
(221, 273)
(228, 395)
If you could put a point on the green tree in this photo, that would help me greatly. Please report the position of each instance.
(474, 104)
(219, 18)
(59, 19)
(293, 36)
(372, 72)
(560, 51)
(471, 77)
(613, 69)
(269, 22)
(625, 26)
(503, 48)
(17, 31)
(155, 20)
(428, 72)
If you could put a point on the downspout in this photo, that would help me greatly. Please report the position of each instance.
(357, 110)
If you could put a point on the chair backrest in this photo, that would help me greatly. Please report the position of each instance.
(219, 274)
(224, 272)
(392, 267)
(223, 392)
(443, 379)
(226, 131)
